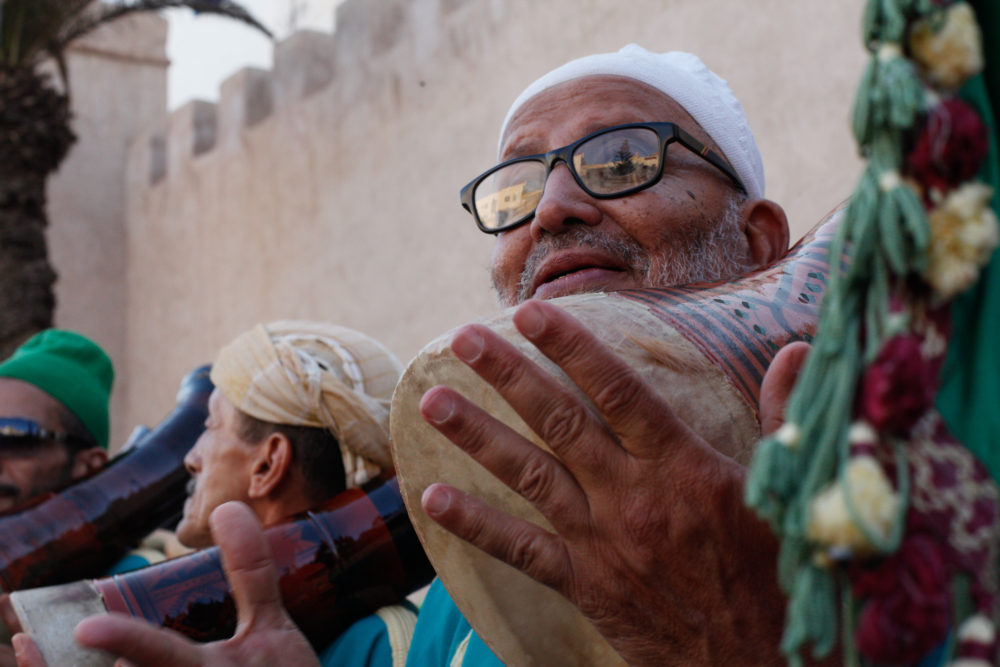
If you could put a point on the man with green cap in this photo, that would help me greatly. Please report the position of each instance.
(54, 393)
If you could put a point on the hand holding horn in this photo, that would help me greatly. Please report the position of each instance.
(265, 634)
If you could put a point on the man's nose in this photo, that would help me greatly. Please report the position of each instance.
(564, 204)
(191, 460)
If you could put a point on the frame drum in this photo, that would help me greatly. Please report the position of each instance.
(705, 347)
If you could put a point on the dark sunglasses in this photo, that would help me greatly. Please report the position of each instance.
(20, 432)
(612, 162)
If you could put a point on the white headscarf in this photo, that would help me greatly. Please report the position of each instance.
(683, 77)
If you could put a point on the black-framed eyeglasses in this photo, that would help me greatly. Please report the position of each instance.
(20, 432)
(609, 163)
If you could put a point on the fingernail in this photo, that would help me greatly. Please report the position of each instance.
(435, 499)
(467, 344)
(438, 407)
(18, 643)
(530, 320)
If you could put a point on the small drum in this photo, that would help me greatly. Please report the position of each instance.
(706, 348)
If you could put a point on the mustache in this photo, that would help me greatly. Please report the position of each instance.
(625, 251)
(192, 483)
(9, 490)
(698, 253)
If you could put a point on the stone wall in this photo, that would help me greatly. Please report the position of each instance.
(327, 188)
(118, 87)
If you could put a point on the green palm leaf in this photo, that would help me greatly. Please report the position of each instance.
(31, 30)
(35, 135)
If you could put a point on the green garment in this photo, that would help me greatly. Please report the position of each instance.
(969, 398)
(370, 643)
(443, 638)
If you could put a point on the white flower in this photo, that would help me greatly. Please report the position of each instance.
(977, 628)
(950, 276)
(788, 435)
(964, 234)
(872, 497)
(949, 52)
(934, 344)
(862, 433)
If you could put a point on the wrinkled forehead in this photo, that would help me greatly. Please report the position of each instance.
(569, 110)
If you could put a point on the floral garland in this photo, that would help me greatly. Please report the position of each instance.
(889, 528)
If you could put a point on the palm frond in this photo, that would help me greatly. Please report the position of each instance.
(110, 11)
(28, 27)
(31, 30)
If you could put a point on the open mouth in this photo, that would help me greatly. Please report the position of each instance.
(575, 272)
(556, 276)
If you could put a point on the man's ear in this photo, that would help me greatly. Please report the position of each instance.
(272, 464)
(87, 461)
(766, 229)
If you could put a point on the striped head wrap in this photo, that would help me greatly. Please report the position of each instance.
(320, 375)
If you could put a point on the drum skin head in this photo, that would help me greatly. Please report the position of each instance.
(522, 621)
(49, 615)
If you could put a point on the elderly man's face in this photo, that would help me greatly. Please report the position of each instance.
(686, 228)
(28, 471)
(220, 464)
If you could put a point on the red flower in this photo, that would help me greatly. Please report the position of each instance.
(906, 603)
(899, 387)
(950, 147)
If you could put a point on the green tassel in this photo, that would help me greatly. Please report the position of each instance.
(876, 311)
(917, 226)
(890, 95)
(849, 622)
(887, 233)
(864, 233)
(891, 240)
(886, 20)
(823, 613)
(771, 480)
(885, 217)
(883, 20)
(812, 614)
(862, 115)
(794, 551)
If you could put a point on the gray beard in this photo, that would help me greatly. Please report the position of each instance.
(699, 254)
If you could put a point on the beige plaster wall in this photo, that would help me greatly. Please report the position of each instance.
(328, 188)
(118, 87)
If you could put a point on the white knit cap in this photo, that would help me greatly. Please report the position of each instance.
(687, 80)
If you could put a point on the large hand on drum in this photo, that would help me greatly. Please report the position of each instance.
(652, 540)
(265, 634)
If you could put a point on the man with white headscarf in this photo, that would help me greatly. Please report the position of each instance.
(631, 169)
(661, 555)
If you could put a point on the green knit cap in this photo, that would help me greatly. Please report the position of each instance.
(73, 370)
